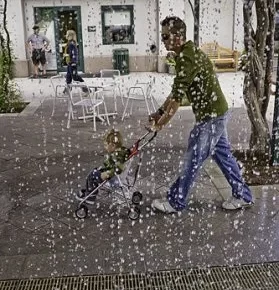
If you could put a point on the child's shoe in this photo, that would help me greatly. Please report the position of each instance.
(81, 195)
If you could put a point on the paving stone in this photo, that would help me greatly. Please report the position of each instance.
(44, 265)
(86, 263)
(43, 164)
(220, 182)
(11, 267)
(242, 251)
(225, 193)
(15, 241)
(6, 206)
(211, 168)
(27, 219)
(61, 238)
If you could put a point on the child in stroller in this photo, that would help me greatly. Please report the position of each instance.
(116, 176)
(113, 164)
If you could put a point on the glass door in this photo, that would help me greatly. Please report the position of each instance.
(54, 22)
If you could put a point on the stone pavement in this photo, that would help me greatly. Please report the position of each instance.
(42, 164)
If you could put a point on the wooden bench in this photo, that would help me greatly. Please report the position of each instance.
(223, 59)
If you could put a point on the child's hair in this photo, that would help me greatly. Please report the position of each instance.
(114, 137)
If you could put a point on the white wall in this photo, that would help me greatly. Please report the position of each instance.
(15, 25)
(144, 20)
(216, 22)
(238, 40)
(189, 20)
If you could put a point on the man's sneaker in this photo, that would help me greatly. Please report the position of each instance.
(235, 203)
(81, 195)
(163, 206)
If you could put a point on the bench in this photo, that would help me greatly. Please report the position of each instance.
(223, 59)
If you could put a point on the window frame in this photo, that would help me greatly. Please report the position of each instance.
(117, 8)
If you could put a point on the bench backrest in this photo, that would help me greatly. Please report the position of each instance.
(210, 49)
(214, 50)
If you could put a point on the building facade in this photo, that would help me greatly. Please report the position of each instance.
(103, 26)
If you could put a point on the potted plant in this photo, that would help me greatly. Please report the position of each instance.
(170, 62)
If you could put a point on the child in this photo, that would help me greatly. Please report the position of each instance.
(113, 164)
(71, 58)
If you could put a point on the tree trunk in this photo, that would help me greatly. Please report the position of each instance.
(8, 40)
(254, 82)
(269, 56)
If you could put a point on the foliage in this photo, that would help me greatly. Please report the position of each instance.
(170, 59)
(242, 61)
(10, 99)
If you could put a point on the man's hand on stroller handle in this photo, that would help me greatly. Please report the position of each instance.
(160, 118)
(153, 120)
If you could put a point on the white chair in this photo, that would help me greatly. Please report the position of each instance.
(141, 91)
(114, 79)
(58, 83)
(90, 105)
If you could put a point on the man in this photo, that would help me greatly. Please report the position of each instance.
(195, 79)
(37, 44)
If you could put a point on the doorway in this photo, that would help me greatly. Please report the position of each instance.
(54, 23)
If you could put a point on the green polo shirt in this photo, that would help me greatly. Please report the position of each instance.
(196, 80)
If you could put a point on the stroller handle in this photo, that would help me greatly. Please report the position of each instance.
(137, 146)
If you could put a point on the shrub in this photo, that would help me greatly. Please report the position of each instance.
(10, 99)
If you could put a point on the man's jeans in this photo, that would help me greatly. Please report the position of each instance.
(208, 138)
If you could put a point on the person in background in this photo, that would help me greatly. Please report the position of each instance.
(37, 44)
(71, 59)
(196, 80)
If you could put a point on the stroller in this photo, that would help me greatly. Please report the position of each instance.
(120, 184)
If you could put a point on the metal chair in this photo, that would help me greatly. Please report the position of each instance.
(141, 91)
(56, 87)
(90, 105)
(114, 79)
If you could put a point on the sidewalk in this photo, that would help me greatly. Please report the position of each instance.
(36, 90)
(42, 164)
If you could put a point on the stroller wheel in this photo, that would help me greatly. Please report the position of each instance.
(134, 213)
(81, 212)
(137, 197)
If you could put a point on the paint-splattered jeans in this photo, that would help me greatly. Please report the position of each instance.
(208, 139)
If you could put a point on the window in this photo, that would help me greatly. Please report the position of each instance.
(118, 24)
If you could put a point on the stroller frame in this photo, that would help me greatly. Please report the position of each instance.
(120, 184)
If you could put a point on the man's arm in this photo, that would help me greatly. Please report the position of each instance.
(28, 43)
(163, 115)
(46, 41)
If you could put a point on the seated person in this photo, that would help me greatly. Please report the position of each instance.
(113, 164)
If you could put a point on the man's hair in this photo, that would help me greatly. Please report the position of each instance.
(35, 27)
(175, 25)
(114, 137)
